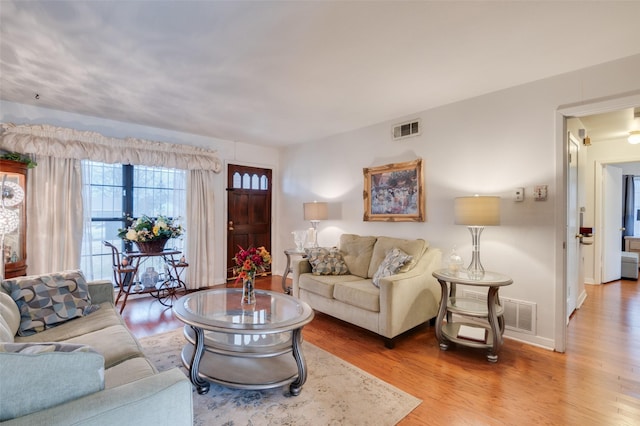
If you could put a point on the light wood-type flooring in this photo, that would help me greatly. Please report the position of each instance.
(596, 382)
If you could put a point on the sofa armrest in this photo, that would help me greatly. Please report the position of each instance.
(298, 267)
(410, 298)
(164, 398)
(101, 291)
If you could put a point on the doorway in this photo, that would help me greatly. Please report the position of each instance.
(564, 258)
(609, 198)
(248, 211)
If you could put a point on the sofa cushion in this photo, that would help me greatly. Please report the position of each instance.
(357, 251)
(106, 317)
(393, 261)
(322, 285)
(358, 293)
(128, 371)
(27, 388)
(48, 300)
(9, 318)
(116, 344)
(326, 261)
(414, 248)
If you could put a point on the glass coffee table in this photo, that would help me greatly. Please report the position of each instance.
(243, 346)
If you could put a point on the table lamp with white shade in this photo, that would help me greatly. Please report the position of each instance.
(477, 212)
(315, 212)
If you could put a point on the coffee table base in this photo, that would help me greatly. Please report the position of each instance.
(243, 370)
(243, 373)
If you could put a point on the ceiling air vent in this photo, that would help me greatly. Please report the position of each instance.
(406, 130)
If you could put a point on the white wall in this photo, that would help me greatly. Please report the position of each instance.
(228, 151)
(487, 145)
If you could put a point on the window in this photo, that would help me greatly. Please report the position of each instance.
(115, 191)
(247, 181)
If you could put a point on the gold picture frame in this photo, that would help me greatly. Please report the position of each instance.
(394, 193)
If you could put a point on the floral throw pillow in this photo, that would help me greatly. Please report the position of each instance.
(48, 300)
(393, 261)
(326, 261)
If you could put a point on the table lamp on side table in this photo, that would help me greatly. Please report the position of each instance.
(315, 212)
(477, 212)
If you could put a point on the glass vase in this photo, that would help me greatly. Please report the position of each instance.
(299, 238)
(455, 262)
(248, 290)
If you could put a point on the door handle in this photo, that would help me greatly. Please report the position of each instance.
(231, 228)
(582, 241)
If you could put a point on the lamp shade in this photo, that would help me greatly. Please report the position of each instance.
(477, 211)
(316, 211)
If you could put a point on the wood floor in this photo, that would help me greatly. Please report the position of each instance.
(596, 382)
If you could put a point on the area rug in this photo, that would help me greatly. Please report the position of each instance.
(335, 393)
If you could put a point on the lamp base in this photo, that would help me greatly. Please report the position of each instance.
(475, 269)
(313, 231)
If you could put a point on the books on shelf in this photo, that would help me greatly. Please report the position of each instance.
(475, 334)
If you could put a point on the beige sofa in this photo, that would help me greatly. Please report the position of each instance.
(90, 371)
(404, 300)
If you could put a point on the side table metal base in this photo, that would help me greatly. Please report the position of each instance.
(287, 270)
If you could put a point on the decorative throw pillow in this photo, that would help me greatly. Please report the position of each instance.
(392, 262)
(36, 376)
(34, 348)
(49, 300)
(326, 261)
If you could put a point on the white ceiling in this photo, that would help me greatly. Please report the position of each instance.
(610, 125)
(276, 73)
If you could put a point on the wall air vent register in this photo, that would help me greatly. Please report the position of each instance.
(406, 129)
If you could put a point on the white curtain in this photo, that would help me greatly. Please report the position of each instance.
(54, 209)
(200, 228)
(51, 141)
(87, 238)
(54, 215)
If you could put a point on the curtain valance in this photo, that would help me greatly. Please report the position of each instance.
(60, 142)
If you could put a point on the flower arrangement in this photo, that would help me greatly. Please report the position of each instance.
(145, 229)
(251, 261)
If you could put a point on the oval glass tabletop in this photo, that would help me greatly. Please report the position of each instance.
(486, 278)
(222, 310)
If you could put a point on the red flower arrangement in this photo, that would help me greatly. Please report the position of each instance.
(250, 261)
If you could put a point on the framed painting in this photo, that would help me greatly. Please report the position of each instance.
(394, 192)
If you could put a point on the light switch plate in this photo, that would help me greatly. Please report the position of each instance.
(540, 192)
(519, 194)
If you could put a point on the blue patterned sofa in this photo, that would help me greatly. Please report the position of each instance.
(67, 357)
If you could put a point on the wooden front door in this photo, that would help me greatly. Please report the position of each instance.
(249, 211)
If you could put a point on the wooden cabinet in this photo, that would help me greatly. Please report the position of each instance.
(632, 244)
(15, 253)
